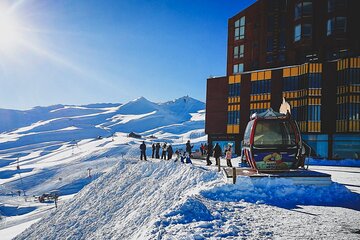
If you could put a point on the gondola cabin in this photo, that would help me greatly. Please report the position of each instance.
(272, 141)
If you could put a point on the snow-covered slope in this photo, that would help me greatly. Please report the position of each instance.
(167, 200)
(107, 193)
(74, 123)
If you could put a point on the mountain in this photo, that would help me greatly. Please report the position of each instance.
(66, 123)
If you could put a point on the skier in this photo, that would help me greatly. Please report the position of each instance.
(217, 153)
(163, 154)
(189, 147)
(143, 151)
(170, 152)
(153, 150)
(157, 150)
(202, 149)
(228, 156)
(209, 153)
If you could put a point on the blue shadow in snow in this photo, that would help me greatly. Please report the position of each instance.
(76, 186)
(286, 195)
(10, 173)
(8, 211)
(4, 163)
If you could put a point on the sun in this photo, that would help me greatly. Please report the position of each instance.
(10, 31)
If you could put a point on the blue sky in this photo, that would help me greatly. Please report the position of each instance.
(89, 51)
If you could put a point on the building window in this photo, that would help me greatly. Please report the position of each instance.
(234, 90)
(239, 51)
(302, 31)
(307, 9)
(240, 28)
(238, 68)
(306, 30)
(303, 9)
(336, 25)
(269, 58)
(334, 5)
(297, 32)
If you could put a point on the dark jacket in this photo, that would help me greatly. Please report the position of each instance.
(170, 150)
(217, 151)
(143, 147)
(210, 149)
(188, 147)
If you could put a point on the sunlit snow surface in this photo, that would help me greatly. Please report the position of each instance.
(126, 198)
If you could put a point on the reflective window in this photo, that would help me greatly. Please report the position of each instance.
(297, 32)
(302, 31)
(336, 24)
(298, 10)
(239, 51)
(238, 68)
(274, 132)
(303, 9)
(240, 28)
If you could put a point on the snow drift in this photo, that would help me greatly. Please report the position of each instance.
(122, 204)
(166, 200)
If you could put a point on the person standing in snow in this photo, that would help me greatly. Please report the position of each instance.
(228, 156)
(170, 152)
(163, 154)
(157, 150)
(217, 153)
(153, 150)
(143, 151)
(177, 154)
(189, 147)
(202, 149)
(209, 153)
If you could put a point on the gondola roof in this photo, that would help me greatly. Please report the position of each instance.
(269, 114)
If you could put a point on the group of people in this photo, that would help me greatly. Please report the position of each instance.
(167, 152)
(216, 152)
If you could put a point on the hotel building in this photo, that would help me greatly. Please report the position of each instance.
(304, 51)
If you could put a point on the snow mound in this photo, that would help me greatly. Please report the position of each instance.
(125, 203)
(283, 193)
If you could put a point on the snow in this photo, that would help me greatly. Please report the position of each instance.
(125, 198)
(11, 232)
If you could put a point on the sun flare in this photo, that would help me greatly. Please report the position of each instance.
(10, 32)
